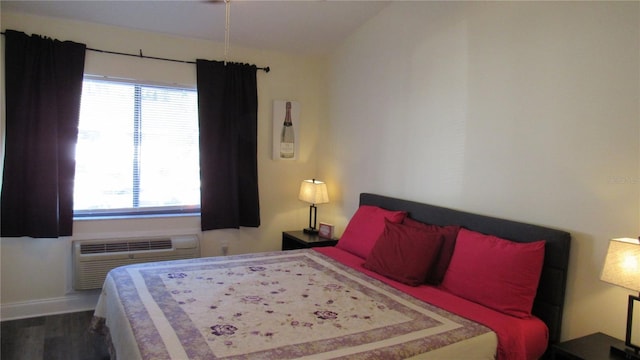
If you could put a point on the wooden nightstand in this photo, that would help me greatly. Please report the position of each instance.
(292, 240)
(594, 346)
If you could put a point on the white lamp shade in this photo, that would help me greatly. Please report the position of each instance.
(313, 192)
(622, 264)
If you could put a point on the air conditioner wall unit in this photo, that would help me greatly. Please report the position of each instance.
(93, 259)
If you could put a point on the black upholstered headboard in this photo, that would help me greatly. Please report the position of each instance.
(549, 302)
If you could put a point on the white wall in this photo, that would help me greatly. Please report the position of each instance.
(522, 110)
(35, 273)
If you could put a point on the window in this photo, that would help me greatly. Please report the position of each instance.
(137, 150)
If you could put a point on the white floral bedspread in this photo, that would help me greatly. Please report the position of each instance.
(278, 305)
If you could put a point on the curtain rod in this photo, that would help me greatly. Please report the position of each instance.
(140, 55)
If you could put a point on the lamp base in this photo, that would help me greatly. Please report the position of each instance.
(310, 231)
(624, 352)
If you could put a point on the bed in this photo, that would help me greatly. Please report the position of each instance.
(338, 302)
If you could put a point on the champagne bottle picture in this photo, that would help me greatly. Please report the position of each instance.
(287, 138)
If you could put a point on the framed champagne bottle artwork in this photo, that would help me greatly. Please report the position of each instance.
(286, 125)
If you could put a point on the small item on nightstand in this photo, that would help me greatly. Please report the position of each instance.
(326, 231)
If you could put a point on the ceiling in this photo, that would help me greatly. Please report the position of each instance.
(304, 26)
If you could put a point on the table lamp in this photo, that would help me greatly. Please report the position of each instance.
(313, 192)
(622, 268)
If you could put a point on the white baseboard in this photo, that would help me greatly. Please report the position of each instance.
(80, 301)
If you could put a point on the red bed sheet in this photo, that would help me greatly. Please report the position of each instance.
(517, 338)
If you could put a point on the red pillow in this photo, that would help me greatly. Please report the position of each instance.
(404, 253)
(365, 227)
(450, 233)
(497, 273)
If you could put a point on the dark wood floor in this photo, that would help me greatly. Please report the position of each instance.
(65, 336)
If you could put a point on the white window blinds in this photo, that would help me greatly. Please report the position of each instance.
(137, 149)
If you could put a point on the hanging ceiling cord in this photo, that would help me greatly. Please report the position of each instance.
(227, 24)
(140, 55)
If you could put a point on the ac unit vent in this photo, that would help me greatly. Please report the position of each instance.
(135, 245)
(93, 259)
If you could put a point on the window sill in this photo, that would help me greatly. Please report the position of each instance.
(133, 216)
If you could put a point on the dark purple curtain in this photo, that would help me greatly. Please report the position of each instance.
(228, 113)
(43, 79)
